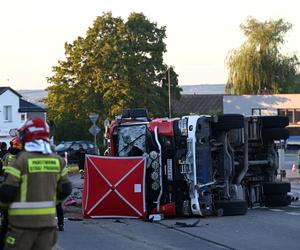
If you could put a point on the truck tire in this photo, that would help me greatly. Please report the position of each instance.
(275, 134)
(232, 207)
(279, 200)
(228, 121)
(274, 121)
(273, 188)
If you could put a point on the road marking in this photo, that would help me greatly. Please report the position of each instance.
(293, 206)
(276, 210)
(293, 213)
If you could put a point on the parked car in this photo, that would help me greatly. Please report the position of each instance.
(293, 142)
(72, 148)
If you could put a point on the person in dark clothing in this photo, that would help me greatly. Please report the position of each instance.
(81, 158)
(59, 208)
(3, 150)
(14, 149)
(60, 216)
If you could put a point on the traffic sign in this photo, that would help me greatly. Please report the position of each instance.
(13, 132)
(94, 130)
(93, 117)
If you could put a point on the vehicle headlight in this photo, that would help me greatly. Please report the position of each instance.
(155, 185)
(155, 165)
(153, 155)
(154, 176)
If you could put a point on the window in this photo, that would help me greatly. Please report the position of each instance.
(292, 114)
(281, 112)
(7, 113)
(259, 111)
(23, 117)
(289, 114)
(297, 116)
(256, 111)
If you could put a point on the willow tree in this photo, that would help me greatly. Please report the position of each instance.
(117, 65)
(258, 63)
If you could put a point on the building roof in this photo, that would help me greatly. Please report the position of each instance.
(26, 106)
(203, 89)
(198, 104)
(3, 89)
(35, 96)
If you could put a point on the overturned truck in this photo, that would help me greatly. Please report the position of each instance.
(205, 165)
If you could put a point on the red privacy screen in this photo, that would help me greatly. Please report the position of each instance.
(114, 187)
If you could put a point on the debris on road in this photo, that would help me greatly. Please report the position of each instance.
(183, 224)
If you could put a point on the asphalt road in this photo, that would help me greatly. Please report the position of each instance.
(260, 228)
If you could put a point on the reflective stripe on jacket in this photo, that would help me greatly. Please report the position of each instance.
(32, 208)
(38, 178)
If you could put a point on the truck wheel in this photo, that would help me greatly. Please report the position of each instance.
(274, 121)
(232, 207)
(274, 188)
(275, 133)
(228, 121)
(279, 200)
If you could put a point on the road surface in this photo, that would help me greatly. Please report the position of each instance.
(260, 228)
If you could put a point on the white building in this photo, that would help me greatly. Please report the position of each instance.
(14, 111)
(282, 104)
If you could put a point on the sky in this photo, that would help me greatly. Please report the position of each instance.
(199, 33)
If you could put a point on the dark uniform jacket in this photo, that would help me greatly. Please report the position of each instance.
(34, 183)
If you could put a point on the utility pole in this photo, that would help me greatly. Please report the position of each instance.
(169, 90)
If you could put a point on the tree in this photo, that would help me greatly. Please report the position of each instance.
(116, 65)
(258, 63)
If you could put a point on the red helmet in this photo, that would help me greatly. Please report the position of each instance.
(15, 143)
(34, 129)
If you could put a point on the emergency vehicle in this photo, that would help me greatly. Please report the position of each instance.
(204, 164)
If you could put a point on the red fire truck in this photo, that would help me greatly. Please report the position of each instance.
(204, 164)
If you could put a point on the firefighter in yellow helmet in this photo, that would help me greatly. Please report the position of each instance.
(35, 181)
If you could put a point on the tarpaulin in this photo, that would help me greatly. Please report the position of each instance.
(114, 187)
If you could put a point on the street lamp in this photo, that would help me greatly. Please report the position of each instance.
(168, 71)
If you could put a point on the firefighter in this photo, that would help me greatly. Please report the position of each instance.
(35, 181)
(81, 158)
(14, 149)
